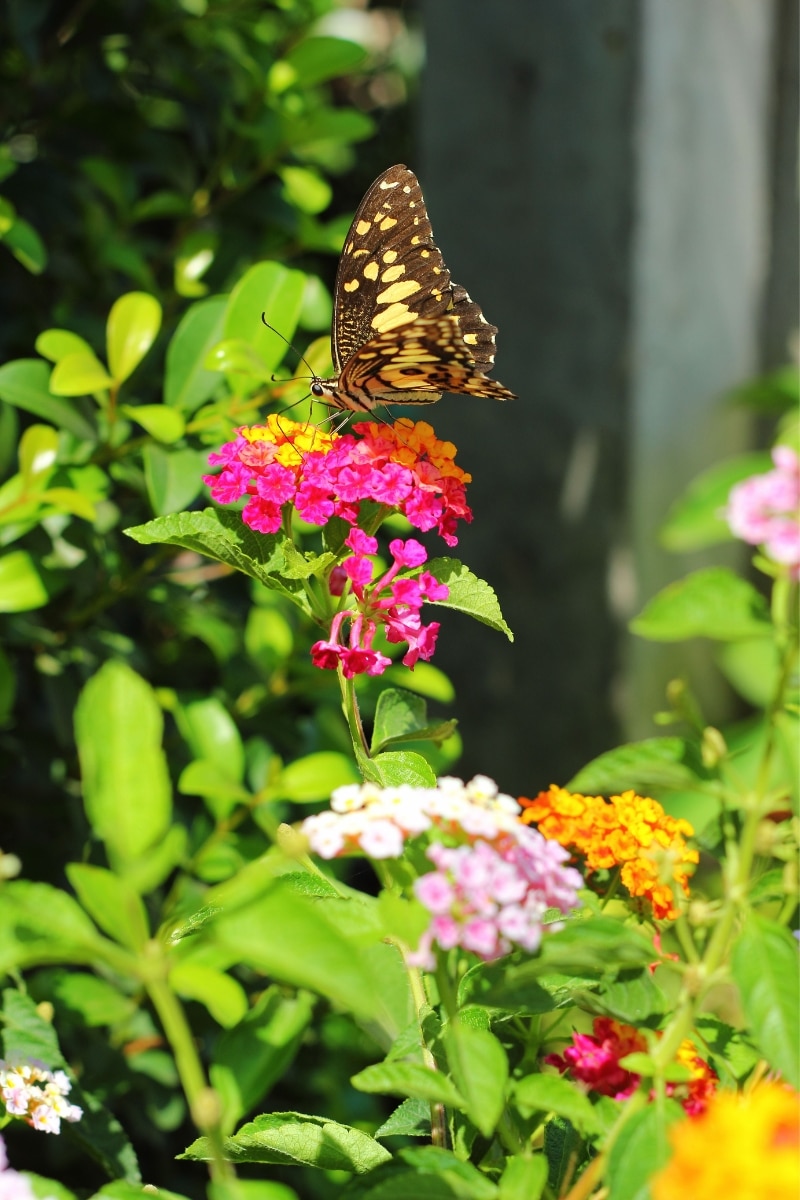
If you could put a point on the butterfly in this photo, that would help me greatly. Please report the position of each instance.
(402, 333)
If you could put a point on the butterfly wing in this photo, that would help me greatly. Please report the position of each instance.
(391, 273)
(413, 364)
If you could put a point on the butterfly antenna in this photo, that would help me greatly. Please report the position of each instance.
(264, 321)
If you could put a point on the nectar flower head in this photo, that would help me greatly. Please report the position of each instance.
(30, 1091)
(764, 510)
(493, 878)
(593, 1059)
(403, 466)
(742, 1147)
(628, 832)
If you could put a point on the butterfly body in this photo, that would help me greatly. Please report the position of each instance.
(403, 333)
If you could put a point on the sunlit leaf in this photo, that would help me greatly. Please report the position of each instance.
(133, 325)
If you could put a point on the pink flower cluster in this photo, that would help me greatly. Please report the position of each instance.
(403, 467)
(492, 899)
(29, 1090)
(392, 602)
(764, 510)
(494, 876)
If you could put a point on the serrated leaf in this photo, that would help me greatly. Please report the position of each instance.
(412, 1118)
(132, 327)
(295, 1139)
(224, 537)
(397, 767)
(713, 603)
(765, 968)
(469, 594)
(668, 762)
(554, 1094)
(409, 1080)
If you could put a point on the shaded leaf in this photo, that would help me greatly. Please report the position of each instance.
(713, 603)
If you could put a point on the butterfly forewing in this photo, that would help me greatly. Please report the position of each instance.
(392, 278)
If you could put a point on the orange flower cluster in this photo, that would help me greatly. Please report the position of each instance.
(743, 1147)
(630, 832)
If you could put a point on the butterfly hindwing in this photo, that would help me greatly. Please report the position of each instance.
(419, 360)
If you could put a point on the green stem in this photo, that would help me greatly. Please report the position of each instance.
(202, 1100)
(353, 717)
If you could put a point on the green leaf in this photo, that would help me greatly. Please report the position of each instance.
(79, 374)
(38, 449)
(412, 1118)
(752, 667)
(174, 477)
(221, 793)
(40, 924)
(133, 325)
(212, 734)
(316, 59)
(67, 500)
(187, 383)
(163, 423)
(223, 996)
(223, 536)
(480, 1069)
(277, 292)
(398, 767)
(94, 1000)
(523, 1178)
(21, 586)
(46, 1189)
(765, 966)
(402, 717)
(315, 776)
(245, 1189)
(25, 384)
(554, 1094)
(713, 603)
(268, 638)
(305, 189)
(251, 1057)
(26, 245)
(668, 762)
(194, 257)
(112, 903)
(633, 997)
(434, 1165)
(56, 344)
(326, 125)
(772, 393)
(295, 1139)
(235, 356)
(409, 1079)
(696, 519)
(640, 1150)
(126, 787)
(468, 594)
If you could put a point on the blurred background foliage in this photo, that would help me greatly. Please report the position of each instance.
(167, 150)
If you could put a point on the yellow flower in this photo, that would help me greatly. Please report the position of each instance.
(743, 1147)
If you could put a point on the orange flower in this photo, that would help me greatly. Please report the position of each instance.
(743, 1147)
(628, 831)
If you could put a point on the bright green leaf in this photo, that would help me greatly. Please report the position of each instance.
(523, 1178)
(126, 787)
(640, 1151)
(79, 374)
(668, 762)
(713, 603)
(315, 776)
(479, 1066)
(56, 344)
(305, 188)
(275, 291)
(25, 384)
(187, 383)
(409, 1079)
(554, 1094)
(765, 969)
(469, 594)
(212, 734)
(163, 423)
(223, 996)
(173, 477)
(696, 520)
(112, 903)
(396, 767)
(38, 449)
(316, 59)
(133, 325)
(296, 1139)
(235, 356)
(21, 586)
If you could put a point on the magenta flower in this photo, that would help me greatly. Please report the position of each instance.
(391, 602)
(764, 510)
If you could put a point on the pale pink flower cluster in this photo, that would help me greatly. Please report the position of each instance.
(491, 900)
(30, 1091)
(367, 819)
(495, 878)
(764, 510)
(13, 1185)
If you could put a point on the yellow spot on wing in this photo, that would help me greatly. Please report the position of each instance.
(385, 185)
(389, 256)
(471, 339)
(398, 291)
(392, 273)
(357, 252)
(371, 270)
(351, 285)
(390, 318)
(387, 223)
(363, 227)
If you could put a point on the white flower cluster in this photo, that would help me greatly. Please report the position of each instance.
(377, 821)
(30, 1091)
